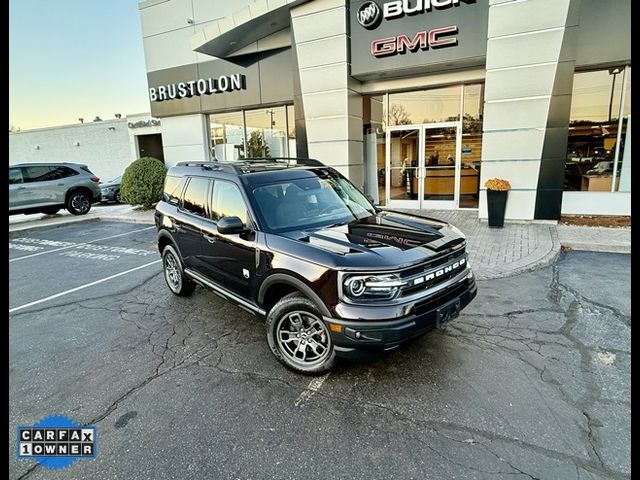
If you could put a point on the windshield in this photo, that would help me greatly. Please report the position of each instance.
(117, 179)
(307, 203)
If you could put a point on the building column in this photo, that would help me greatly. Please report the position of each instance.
(530, 66)
(331, 107)
(185, 138)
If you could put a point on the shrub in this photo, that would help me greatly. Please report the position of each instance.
(143, 181)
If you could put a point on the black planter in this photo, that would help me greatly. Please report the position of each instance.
(496, 204)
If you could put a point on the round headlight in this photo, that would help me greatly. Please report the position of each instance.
(356, 287)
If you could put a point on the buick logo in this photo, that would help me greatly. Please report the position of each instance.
(369, 15)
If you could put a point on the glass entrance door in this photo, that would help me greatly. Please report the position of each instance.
(440, 177)
(423, 166)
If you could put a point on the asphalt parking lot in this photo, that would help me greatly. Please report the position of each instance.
(532, 381)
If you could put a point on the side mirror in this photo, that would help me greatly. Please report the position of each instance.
(230, 225)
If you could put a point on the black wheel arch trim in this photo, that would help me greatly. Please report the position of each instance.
(174, 245)
(296, 283)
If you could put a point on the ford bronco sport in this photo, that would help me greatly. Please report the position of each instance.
(294, 242)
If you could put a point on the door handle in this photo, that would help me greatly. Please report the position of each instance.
(209, 238)
(61, 184)
(21, 188)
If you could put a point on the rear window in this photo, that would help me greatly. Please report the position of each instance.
(86, 169)
(173, 187)
(195, 196)
(60, 171)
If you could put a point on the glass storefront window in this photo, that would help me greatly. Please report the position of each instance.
(227, 136)
(425, 106)
(471, 151)
(263, 132)
(291, 130)
(266, 132)
(593, 130)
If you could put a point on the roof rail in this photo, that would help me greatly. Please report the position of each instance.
(209, 165)
(309, 162)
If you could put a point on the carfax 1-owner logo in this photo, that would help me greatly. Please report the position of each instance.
(56, 442)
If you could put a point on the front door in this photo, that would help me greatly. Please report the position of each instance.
(228, 259)
(423, 166)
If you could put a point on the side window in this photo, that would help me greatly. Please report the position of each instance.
(227, 201)
(38, 174)
(195, 196)
(60, 171)
(173, 187)
(15, 176)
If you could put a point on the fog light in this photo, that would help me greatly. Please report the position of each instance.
(335, 328)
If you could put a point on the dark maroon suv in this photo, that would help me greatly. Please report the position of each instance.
(293, 241)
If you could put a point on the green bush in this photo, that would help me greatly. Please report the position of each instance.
(143, 181)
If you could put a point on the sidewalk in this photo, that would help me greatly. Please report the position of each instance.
(520, 247)
(493, 252)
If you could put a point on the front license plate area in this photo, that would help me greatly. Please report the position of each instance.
(447, 312)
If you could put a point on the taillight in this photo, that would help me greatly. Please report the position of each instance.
(95, 179)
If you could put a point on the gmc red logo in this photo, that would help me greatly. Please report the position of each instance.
(421, 41)
(395, 239)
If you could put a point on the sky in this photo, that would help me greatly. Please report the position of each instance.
(74, 58)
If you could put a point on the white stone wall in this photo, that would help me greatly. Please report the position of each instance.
(103, 146)
(167, 33)
(332, 105)
(524, 58)
(185, 138)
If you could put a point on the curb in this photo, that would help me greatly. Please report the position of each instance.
(108, 218)
(596, 247)
(145, 221)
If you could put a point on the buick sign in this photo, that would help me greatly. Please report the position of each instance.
(369, 15)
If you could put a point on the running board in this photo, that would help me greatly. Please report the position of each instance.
(224, 293)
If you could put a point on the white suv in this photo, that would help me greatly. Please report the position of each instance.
(48, 187)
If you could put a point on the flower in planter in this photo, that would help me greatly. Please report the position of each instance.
(498, 184)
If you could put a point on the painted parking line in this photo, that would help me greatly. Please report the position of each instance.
(313, 387)
(17, 244)
(82, 287)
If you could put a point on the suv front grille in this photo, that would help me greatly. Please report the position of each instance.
(433, 273)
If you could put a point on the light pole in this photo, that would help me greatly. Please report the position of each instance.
(271, 113)
(613, 71)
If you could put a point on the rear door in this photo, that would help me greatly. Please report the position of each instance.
(17, 189)
(40, 185)
(188, 222)
(61, 178)
(229, 260)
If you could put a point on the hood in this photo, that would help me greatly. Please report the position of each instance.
(387, 239)
(109, 184)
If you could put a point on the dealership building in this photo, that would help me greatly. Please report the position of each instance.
(418, 102)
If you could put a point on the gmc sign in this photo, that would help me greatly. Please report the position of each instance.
(421, 41)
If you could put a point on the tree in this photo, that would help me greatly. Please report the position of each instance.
(398, 115)
(256, 145)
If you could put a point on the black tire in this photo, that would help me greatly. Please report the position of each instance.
(78, 203)
(117, 198)
(174, 275)
(51, 210)
(280, 322)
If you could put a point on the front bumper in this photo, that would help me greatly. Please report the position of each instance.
(368, 338)
(108, 196)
